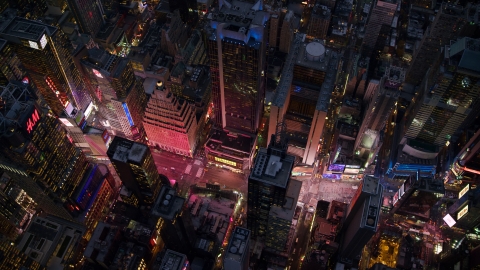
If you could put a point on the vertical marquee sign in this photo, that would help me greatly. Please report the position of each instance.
(32, 121)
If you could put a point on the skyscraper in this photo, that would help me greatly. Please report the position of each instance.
(381, 97)
(45, 53)
(448, 22)
(135, 165)
(34, 140)
(236, 49)
(121, 97)
(362, 219)
(14, 259)
(170, 123)
(88, 15)
(382, 14)
(319, 22)
(302, 97)
(237, 253)
(447, 96)
(176, 224)
(272, 195)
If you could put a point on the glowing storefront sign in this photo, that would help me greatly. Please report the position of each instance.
(32, 120)
(88, 110)
(462, 212)
(127, 112)
(449, 220)
(464, 191)
(226, 161)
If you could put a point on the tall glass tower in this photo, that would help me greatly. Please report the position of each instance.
(236, 48)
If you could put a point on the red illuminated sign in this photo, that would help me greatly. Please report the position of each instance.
(32, 121)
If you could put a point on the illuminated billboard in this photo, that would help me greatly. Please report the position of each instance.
(127, 112)
(449, 220)
(332, 176)
(351, 171)
(336, 168)
(88, 110)
(462, 212)
(395, 198)
(464, 191)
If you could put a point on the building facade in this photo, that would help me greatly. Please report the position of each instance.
(447, 24)
(121, 97)
(170, 123)
(35, 140)
(45, 53)
(135, 165)
(382, 14)
(267, 187)
(236, 50)
(88, 15)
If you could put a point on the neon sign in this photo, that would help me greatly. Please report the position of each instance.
(33, 120)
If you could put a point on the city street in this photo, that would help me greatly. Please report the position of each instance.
(303, 235)
(226, 178)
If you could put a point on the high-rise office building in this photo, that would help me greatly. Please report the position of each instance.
(269, 187)
(362, 219)
(446, 96)
(174, 261)
(14, 259)
(51, 241)
(10, 66)
(319, 22)
(237, 252)
(290, 24)
(135, 165)
(12, 216)
(417, 196)
(92, 195)
(176, 224)
(302, 97)
(236, 50)
(170, 123)
(174, 34)
(88, 15)
(121, 97)
(381, 97)
(382, 14)
(45, 53)
(446, 26)
(35, 141)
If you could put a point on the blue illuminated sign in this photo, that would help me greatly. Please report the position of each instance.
(127, 112)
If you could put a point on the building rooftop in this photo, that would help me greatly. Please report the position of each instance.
(321, 11)
(237, 247)
(18, 29)
(465, 53)
(127, 151)
(272, 169)
(17, 105)
(168, 204)
(101, 241)
(312, 55)
(235, 145)
(370, 185)
(287, 211)
(174, 261)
